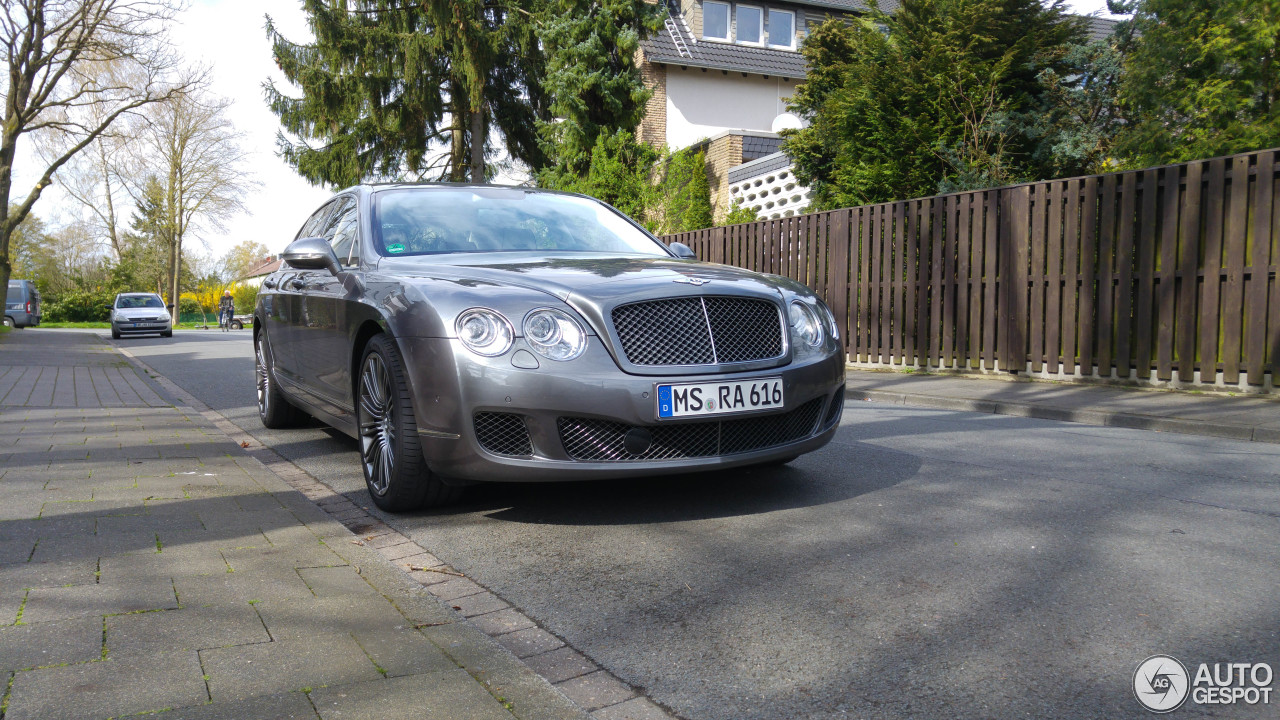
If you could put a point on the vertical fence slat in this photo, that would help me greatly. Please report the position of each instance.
(949, 282)
(911, 247)
(974, 356)
(893, 284)
(964, 239)
(864, 287)
(1166, 296)
(1143, 317)
(1053, 280)
(1211, 295)
(1070, 276)
(1188, 260)
(1089, 260)
(990, 336)
(1106, 278)
(1256, 306)
(839, 282)
(1036, 334)
(1019, 241)
(1124, 272)
(1273, 317)
(1233, 295)
(924, 211)
(884, 236)
(936, 320)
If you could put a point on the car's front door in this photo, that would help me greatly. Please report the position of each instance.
(283, 304)
(324, 352)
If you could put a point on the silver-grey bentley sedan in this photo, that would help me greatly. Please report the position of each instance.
(477, 333)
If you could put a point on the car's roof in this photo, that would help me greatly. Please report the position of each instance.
(379, 187)
(138, 294)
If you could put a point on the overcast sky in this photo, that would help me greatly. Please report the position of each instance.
(228, 36)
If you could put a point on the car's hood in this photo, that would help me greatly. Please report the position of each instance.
(138, 313)
(584, 275)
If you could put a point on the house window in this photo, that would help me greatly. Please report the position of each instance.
(782, 29)
(750, 25)
(715, 21)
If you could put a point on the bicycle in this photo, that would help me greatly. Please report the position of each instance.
(224, 320)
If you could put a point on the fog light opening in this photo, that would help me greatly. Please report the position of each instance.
(637, 441)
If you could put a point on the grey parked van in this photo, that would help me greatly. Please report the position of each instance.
(22, 304)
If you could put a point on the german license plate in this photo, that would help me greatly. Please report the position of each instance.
(719, 398)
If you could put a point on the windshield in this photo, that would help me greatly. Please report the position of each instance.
(139, 301)
(469, 220)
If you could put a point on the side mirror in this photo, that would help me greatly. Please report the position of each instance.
(109, 307)
(311, 254)
(682, 251)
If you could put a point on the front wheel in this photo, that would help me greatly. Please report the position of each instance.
(8, 322)
(237, 325)
(395, 470)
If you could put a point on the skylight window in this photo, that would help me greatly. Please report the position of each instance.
(715, 21)
(750, 25)
(782, 29)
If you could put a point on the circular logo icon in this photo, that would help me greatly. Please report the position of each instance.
(1161, 683)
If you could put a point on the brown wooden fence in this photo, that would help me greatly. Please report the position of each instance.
(1168, 270)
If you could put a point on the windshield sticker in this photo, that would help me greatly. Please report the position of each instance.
(395, 248)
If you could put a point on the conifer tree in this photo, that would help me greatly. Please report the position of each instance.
(386, 82)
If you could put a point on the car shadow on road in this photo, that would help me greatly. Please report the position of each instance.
(805, 482)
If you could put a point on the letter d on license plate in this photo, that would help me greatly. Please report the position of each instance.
(719, 398)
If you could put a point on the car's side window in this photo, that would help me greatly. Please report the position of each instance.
(344, 232)
(314, 226)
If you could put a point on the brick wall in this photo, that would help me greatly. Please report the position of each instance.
(722, 153)
(653, 128)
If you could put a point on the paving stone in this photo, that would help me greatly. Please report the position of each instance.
(561, 664)
(241, 587)
(108, 687)
(262, 501)
(173, 562)
(335, 582)
(51, 574)
(478, 604)
(259, 520)
(596, 690)
(300, 619)
(45, 604)
(51, 643)
(426, 577)
(633, 709)
(286, 706)
(298, 555)
(153, 522)
(502, 622)
(450, 695)
(454, 588)
(95, 546)
(532, 641)
(188, 628)
(403, 550)
(285, 666)
(386, 540)
(402, 651)
(423, 560)
(16, 551)
(11, 597)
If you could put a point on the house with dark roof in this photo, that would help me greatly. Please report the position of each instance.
(722, 72)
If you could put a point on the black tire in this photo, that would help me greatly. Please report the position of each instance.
(115, 334)
(395, 471)
(273, 409)
(167, 333)
(237, 325)
(9, 323)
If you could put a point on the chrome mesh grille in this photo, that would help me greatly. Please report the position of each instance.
(698, 330)
(593, 440)
(503, 434)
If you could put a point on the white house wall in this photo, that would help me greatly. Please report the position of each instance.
(701, 104)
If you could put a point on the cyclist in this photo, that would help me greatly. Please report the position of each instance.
(226, 309)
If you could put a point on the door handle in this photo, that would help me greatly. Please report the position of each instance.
(297, 283)
(269, 283)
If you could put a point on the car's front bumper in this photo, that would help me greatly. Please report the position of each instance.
(134, 327)
(451, 385)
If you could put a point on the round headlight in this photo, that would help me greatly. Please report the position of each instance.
(554, 334)
(831, 320)
(805, 323)
(484, 331)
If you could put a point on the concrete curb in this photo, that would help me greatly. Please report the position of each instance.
(479, 631)
(1085, 417)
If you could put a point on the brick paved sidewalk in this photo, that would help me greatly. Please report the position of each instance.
(147, 565)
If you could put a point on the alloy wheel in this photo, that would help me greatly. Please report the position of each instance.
(377, 424)
(264, 378)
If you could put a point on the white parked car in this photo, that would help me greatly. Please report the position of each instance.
(140, 314)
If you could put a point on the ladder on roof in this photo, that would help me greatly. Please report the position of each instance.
(673, 29)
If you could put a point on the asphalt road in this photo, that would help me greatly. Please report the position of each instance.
(926, 564)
